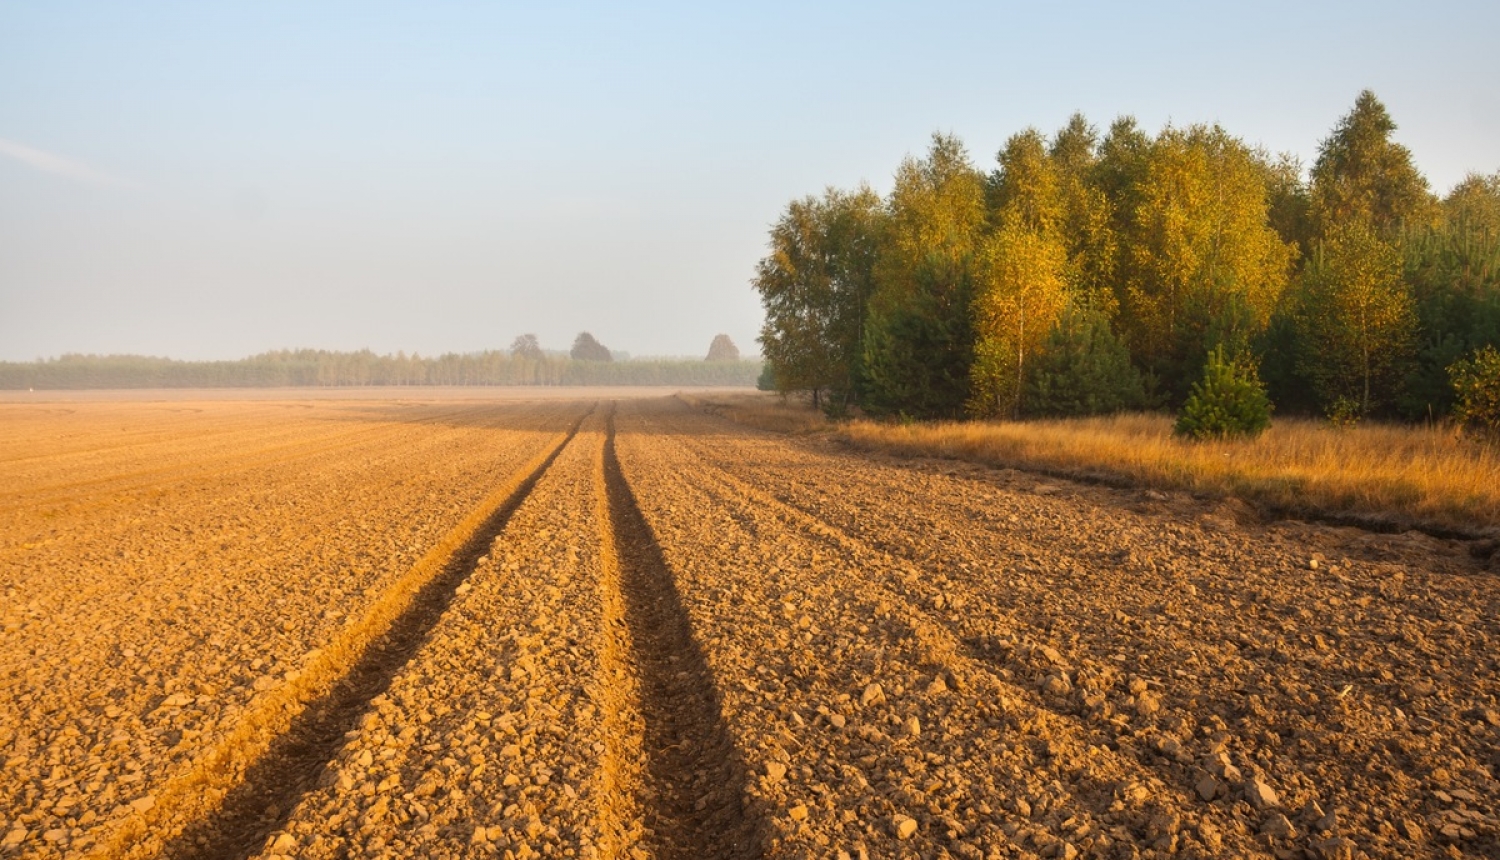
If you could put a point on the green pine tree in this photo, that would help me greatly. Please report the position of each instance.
(1228, 401)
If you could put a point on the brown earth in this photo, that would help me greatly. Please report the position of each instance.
(476, 629)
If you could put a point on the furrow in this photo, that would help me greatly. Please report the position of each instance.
(691, 798)
(489, 741)
(236, 794)
(1178, 633)
(892, 595)
(903, 585)
(137, 639)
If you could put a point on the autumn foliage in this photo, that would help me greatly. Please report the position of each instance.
(1477, 383)
(1091, 272)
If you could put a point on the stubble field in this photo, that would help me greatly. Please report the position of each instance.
(600, 627)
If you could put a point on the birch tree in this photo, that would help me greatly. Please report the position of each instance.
(1356, 319)
(1020, 283)
(1205, 266)
(919, 336)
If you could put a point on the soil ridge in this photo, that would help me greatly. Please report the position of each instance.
(290, 767)
(693, 798)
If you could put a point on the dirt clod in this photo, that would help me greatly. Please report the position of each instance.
(1276, 825)
(903, 826)
(1260, 795)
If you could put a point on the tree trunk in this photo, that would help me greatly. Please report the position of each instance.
(1015, 407)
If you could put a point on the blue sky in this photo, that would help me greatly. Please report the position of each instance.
(211, 180)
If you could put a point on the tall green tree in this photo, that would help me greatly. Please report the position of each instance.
(815, 287)
(1454, 271)
(587, 348)
(1362, 174)
(1356, 319)
(919, 336)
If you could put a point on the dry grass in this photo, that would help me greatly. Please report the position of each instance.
(1399, 475)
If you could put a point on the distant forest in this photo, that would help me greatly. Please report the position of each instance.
(1090, 273)
(309, 367)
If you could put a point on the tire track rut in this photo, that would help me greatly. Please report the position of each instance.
(889, 599)
(692, 798)
(271, 784)
(950, 642)
(1200, 671)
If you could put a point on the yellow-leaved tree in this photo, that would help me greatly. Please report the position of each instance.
(1020, 276)
(1022, 292)
(919, 340)
(1087, 216)
(1204, 265)
(1356, 320)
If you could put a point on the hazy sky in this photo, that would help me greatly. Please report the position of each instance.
(212, 180)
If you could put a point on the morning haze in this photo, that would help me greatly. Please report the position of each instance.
(214, 182)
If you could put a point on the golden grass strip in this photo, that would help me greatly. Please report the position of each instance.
(1393, 475)
(196, 792)
(1400, 475)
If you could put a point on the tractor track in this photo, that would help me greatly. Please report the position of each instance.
(1203, 624)
(290, 764)
(691, 797)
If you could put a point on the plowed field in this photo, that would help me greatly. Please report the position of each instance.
(599, 628)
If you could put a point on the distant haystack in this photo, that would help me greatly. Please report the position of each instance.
(586, 348)
(723, 349)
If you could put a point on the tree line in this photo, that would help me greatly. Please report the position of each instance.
(1088, 273)
(310, 367)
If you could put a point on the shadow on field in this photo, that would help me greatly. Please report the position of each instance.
(694, 800)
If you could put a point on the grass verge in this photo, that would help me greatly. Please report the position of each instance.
(1378, 475)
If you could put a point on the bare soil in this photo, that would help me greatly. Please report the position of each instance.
(630, 629)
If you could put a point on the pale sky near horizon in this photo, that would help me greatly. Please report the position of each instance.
(213, 180)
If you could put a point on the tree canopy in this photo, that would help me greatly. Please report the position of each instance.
(816, 286)
(918, 338)
(722, 349)
(1127, 259)
(1361, 174)
(526, 346)
(586, 348)
(1204, 265)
